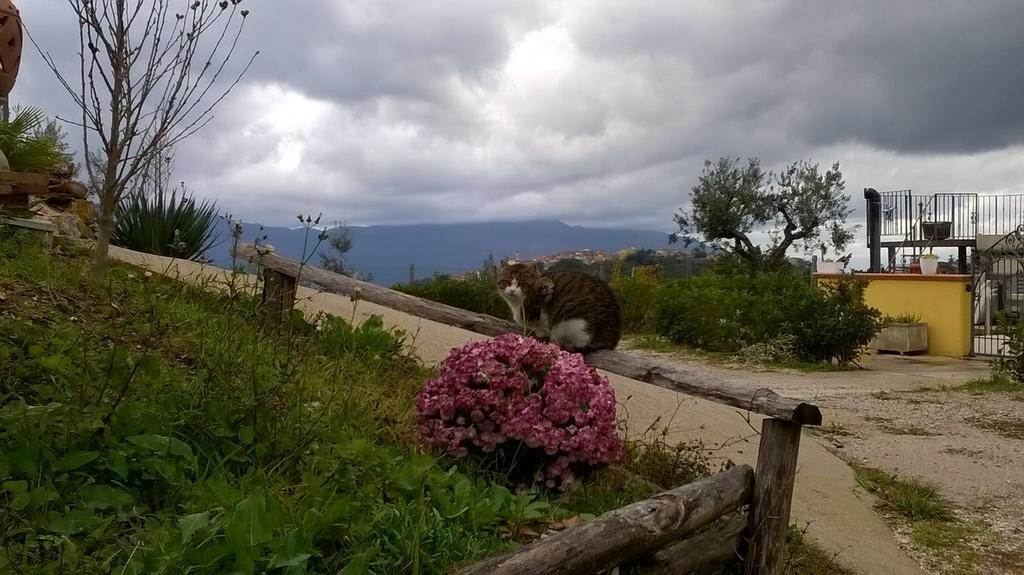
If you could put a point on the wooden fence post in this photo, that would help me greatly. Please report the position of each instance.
(773, 497)
(278, 296)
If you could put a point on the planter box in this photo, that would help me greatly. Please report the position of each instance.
(902, 338)
(37, 226)
(936, 230)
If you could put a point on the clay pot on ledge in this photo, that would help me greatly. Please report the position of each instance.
(11, 35)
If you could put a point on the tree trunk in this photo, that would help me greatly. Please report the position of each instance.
(105, 221)
(105, 228)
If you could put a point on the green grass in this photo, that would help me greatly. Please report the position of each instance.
(932, 525)
(909, 499)
(992, 384)
(806, 558)
(147, 426)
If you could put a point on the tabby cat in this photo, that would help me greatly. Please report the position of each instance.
(579, 312)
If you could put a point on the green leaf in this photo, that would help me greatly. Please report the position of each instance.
(162, 444)
(358, 565)
(19, 494)
(295, 560)
(250, 523)
(224, 493)
(189, 524)
(53, 362)
(245, 434)
(77, 459)
(118, 463)
(149, 366)
(100, 496)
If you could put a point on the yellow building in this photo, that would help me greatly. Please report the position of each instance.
(943, 301)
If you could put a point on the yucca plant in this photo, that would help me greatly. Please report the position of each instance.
(29, 145)
(175, 225)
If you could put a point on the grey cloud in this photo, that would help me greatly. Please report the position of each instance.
(593, 112)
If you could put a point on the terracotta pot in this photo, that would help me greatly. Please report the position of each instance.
(10, 45)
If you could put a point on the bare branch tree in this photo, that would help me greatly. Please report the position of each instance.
(148, 79)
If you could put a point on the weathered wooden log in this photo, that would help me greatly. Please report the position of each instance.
(648, 370)
(717, 545)
(336, 283)
(773, 497)
(629, 532)
(679, 378)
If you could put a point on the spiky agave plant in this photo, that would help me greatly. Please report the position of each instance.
(175, 224)
(27, 145)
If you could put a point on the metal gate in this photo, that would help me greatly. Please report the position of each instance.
(998, 290)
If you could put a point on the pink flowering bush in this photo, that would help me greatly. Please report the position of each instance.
(516, 395)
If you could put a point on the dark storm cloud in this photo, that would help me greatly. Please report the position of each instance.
(594, 112)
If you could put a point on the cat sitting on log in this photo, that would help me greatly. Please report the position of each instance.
(576, 311)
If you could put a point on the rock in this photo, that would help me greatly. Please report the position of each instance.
(86, 212)
(68, 223)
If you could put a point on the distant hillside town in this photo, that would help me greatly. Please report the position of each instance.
(673, 263)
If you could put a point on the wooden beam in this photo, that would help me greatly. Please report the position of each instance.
(691, 382)
(22, 183)
(336, 283)
(660, 373)
(629, 532)
(278, 296)
(773, 497)
(717, 545)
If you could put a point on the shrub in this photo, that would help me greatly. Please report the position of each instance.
(526, 404)
(635, 294)
(176, 226)
(730, 313)
(473, 294)
(27, 145)
(835, 323)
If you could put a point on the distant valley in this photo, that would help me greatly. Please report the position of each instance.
(386, 251)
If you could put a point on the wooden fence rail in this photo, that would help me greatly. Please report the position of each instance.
(630, 532)
(661, 374)
(654, 531)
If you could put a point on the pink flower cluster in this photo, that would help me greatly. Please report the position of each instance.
(513, 388)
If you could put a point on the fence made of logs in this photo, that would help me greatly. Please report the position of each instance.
(677, 531)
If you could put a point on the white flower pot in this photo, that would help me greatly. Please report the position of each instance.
(829, 267)
(929, 265)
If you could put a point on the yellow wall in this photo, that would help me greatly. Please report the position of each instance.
(942, 301)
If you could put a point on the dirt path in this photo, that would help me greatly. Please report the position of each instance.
(899, 415)
(840, 516)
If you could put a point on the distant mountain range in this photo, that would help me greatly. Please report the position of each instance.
(386, 251)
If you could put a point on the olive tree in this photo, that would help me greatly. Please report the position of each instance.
(800, 206)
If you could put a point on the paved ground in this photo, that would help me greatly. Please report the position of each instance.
(840, 515)
(895, 415)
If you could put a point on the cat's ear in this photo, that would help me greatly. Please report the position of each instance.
(504, 263)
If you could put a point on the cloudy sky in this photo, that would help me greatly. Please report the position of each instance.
(595, 112)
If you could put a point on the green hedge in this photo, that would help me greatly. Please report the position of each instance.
(479, 295)
(727, 313)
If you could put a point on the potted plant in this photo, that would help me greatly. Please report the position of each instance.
(903, 334)
(929, 263)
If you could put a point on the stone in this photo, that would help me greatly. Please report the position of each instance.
(67, 224)
(86, 212)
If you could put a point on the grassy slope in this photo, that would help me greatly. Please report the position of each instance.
(147, 426)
